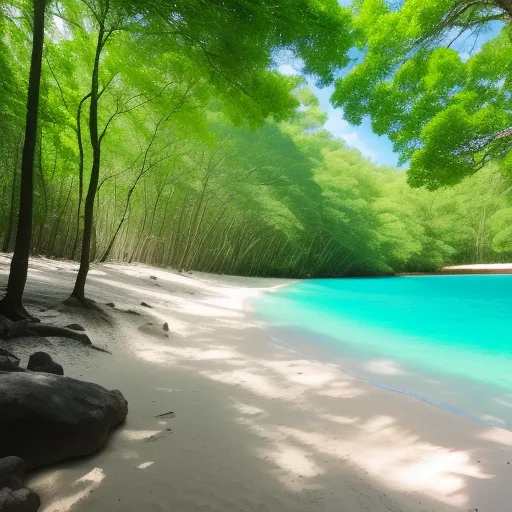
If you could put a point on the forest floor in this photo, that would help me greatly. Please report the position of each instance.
(220, 418)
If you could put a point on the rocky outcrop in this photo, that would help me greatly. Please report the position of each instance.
(47, 418)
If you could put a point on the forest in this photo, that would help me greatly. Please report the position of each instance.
(165, 134)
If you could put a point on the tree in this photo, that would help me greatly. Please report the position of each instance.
(11, 305)
(232, 43)
(446, 108)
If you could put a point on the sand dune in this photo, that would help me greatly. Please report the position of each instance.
(253, 427)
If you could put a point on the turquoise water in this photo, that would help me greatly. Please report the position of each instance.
(444, 339)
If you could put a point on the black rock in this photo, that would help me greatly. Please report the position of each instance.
(166, 327)
(11, 465)
(75, 327)
(144, 304)
(42, 362)
(152, 277)
(110, 305)
(14, 496)
(48, 418)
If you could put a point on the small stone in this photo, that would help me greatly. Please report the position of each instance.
(152, 277)
(110, 305)
(166, 327)
(42, 362)
(146, 305)
(13, 465)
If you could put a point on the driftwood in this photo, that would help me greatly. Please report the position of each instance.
(25, 328)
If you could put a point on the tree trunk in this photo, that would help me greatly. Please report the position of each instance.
(79, 289)
(80, 172)
(11, 305)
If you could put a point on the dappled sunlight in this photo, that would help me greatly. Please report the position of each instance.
(144, 465)
(168, 297)
(154, 353)
(384, 367)
(91, 481)
(301, 372)
(299, 426)
(142, 272)
(176, 326)
(251, 380)
(498, 435)
(341, 390)
(160, 353)
(247, 409)
(395, 456)
(342, 420)
(391, 454)
(293, 460)
(138, 435)
(202, 310)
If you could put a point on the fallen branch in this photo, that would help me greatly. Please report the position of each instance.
(26, 328)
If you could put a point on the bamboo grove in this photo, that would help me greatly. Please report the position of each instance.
(199, 155)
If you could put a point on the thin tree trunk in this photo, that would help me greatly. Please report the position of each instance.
(11, 305)
(80, 172)
(144, 169)
(59, 220)
(79, 288)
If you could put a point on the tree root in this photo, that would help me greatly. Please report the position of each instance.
(15, 314)
(26, 328)
(81, 303)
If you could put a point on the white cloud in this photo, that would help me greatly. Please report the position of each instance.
(342, 129)
(335, 123)
(286, 69)
(353, 140)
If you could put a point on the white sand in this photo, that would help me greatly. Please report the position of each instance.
(255, 428)
(480, 268)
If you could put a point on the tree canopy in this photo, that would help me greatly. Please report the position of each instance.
(421, 78)
(166, 134)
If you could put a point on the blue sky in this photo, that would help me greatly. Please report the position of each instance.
(378, 149)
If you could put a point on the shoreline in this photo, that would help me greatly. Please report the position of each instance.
(475, 269)
(255, 427)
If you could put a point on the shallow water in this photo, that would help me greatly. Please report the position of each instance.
(446, 340)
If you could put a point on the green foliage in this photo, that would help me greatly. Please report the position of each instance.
(447, 114)
(211, 160)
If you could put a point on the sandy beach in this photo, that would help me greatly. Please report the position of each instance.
(483, 268)
(222, 419)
